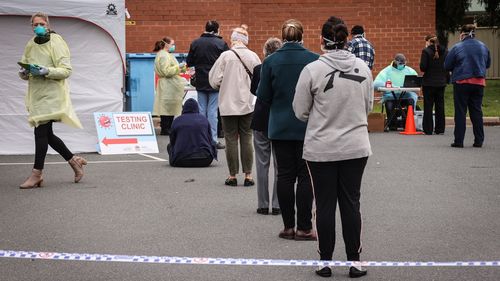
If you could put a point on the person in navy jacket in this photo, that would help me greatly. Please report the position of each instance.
(468, 61)
(191, 143)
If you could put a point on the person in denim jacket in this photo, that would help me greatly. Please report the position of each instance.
(468, 61)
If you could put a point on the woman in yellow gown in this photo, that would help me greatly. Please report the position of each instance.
(170, 87)
(47, 61)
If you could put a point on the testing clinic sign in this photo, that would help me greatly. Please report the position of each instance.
(125, 132)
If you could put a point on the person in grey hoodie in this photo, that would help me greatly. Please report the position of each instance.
(334, 96)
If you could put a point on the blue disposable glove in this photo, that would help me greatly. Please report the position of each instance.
(182, 65)
(38, 70)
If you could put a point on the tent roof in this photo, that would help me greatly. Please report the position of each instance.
(108, 15)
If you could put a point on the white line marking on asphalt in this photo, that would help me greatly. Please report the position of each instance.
(152, 157)
(90, 162)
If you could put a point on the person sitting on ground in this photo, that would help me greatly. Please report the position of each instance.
(396, 73)
(191, 142)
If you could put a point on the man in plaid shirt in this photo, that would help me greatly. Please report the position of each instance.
(361, 47)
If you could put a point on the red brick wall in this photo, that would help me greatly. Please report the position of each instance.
(391, 26)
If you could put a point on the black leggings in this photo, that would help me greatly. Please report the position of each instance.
(333, 182)
(291, 169)
(44, 136)
(166, 124)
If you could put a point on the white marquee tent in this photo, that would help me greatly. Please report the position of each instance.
(95, 33)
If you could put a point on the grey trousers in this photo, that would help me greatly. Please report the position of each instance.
(237, 127)
(263, 151)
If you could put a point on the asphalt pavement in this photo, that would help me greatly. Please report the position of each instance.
(421, 201)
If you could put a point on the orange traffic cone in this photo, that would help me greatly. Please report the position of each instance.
(410, 124)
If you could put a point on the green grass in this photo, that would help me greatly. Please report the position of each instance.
(491, 100)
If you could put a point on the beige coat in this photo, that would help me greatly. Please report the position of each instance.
(170, 87)
(229, 76)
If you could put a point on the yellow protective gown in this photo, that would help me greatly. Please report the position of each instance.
(48, 96)
(170, 87)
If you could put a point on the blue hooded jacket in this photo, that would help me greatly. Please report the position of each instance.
(190, 135)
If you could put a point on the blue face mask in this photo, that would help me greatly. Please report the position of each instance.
(400, 66)
(40, 30)
(171, 49)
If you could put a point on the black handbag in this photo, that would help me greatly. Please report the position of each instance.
(192, 80)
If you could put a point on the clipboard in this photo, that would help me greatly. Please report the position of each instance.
(24, 65)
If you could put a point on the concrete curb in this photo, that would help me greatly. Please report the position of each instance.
(488, 121)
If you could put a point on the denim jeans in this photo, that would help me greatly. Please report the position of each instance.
(209, 103)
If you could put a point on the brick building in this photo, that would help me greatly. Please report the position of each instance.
(392, 26)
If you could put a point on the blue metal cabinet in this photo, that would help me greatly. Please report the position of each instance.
(140, 81)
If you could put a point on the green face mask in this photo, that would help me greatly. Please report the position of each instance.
(171, 49)
(400, 66)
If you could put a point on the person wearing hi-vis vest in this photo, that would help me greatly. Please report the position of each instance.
(46, 66)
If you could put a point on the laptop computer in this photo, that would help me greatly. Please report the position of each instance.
(412, 81)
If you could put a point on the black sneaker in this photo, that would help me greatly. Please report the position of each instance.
(248, 182)
(263, 211)
(460, 145)
(324, 272)
(276, 211)
(357, 271)
(477, 145)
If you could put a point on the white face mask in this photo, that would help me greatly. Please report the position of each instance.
(465, 35)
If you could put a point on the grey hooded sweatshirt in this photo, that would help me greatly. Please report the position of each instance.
(334, 96)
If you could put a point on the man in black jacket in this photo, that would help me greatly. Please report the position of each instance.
(203, 53)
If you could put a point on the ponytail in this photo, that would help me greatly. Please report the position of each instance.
(434, 41)
(292, 30)
(159, 45)
(334, 35)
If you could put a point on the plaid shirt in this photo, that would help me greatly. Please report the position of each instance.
(362, 49)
